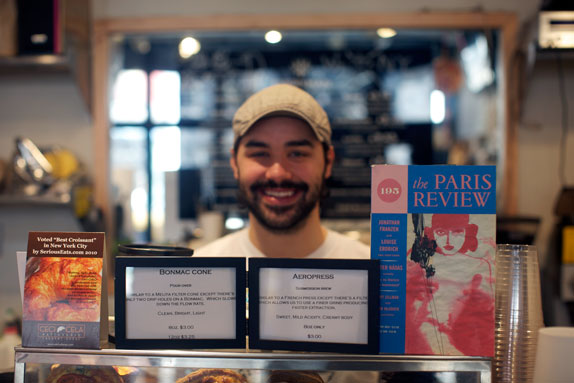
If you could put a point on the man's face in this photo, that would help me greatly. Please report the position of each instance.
(281, 167)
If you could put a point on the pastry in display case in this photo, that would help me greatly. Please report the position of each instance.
(286, 376)
(83, 374)
(136, 375)
(213, 375)
(36, 365)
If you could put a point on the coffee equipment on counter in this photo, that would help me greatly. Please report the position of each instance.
(53, 173)
(32, 168)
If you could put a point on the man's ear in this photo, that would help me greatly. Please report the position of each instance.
(329, 161)
(233, 163)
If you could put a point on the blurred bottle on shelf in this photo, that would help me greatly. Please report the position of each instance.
(10, 339)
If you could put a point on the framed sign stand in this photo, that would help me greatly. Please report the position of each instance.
(180, 303)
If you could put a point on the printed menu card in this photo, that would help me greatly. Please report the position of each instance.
(62, 303)
(313, 305)
(180, 302)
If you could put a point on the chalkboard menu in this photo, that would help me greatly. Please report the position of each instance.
(357, 146)
(379, 93)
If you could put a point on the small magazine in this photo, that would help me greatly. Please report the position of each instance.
(62, 304)
(433, 228)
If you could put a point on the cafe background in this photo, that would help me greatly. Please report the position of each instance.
(185, 125)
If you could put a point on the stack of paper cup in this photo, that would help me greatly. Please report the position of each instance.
(518, 313)
(555, 355)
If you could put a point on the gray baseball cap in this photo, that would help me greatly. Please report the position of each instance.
(282, 100)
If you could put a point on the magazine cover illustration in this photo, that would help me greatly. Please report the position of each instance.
(450, 285)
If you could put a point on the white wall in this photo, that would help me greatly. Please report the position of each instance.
(48, 109)
(539, 138)
(139, 8)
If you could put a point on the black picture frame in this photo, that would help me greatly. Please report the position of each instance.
(372, 268)
(122, 342)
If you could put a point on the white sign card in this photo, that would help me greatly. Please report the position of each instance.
(321, 305)
(180, 302)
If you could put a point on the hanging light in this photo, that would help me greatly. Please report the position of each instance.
(386, 33)
(188, 47)
(273, 37)
(437, 106)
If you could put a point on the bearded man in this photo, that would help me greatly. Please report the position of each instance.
(281, 158)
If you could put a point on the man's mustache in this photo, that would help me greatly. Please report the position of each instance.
(285, 184)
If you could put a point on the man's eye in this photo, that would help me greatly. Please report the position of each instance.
(257, 154)
(298, 153)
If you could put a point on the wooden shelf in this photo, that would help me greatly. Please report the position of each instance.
(32, 201)
(76, 45)
(47, 63)
(554, 54)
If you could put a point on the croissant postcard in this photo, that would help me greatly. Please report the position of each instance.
(63, 290)
(433, 228)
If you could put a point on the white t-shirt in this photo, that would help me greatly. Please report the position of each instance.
(237, 244)
(336, 245)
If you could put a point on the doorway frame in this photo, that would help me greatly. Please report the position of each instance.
(103, 31)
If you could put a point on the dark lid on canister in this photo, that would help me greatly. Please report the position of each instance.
(154, 251)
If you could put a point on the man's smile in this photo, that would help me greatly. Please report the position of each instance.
(283, 194)
(280, 205)
(279, 196)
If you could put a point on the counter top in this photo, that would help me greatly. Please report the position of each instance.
(253, 360)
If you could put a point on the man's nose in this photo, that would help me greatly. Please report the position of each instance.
(278, 172)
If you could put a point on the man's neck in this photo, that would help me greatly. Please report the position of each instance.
(298, 243)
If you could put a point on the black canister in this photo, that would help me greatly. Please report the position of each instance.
(144, 250)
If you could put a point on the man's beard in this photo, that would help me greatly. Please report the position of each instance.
(280, 219)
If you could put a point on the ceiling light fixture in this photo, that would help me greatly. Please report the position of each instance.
(188, 47)
(273, 37)
(386, 33)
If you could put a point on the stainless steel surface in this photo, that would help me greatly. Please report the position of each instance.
(19, 372)
(481, 367)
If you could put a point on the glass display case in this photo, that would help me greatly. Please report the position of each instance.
(163, 366)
